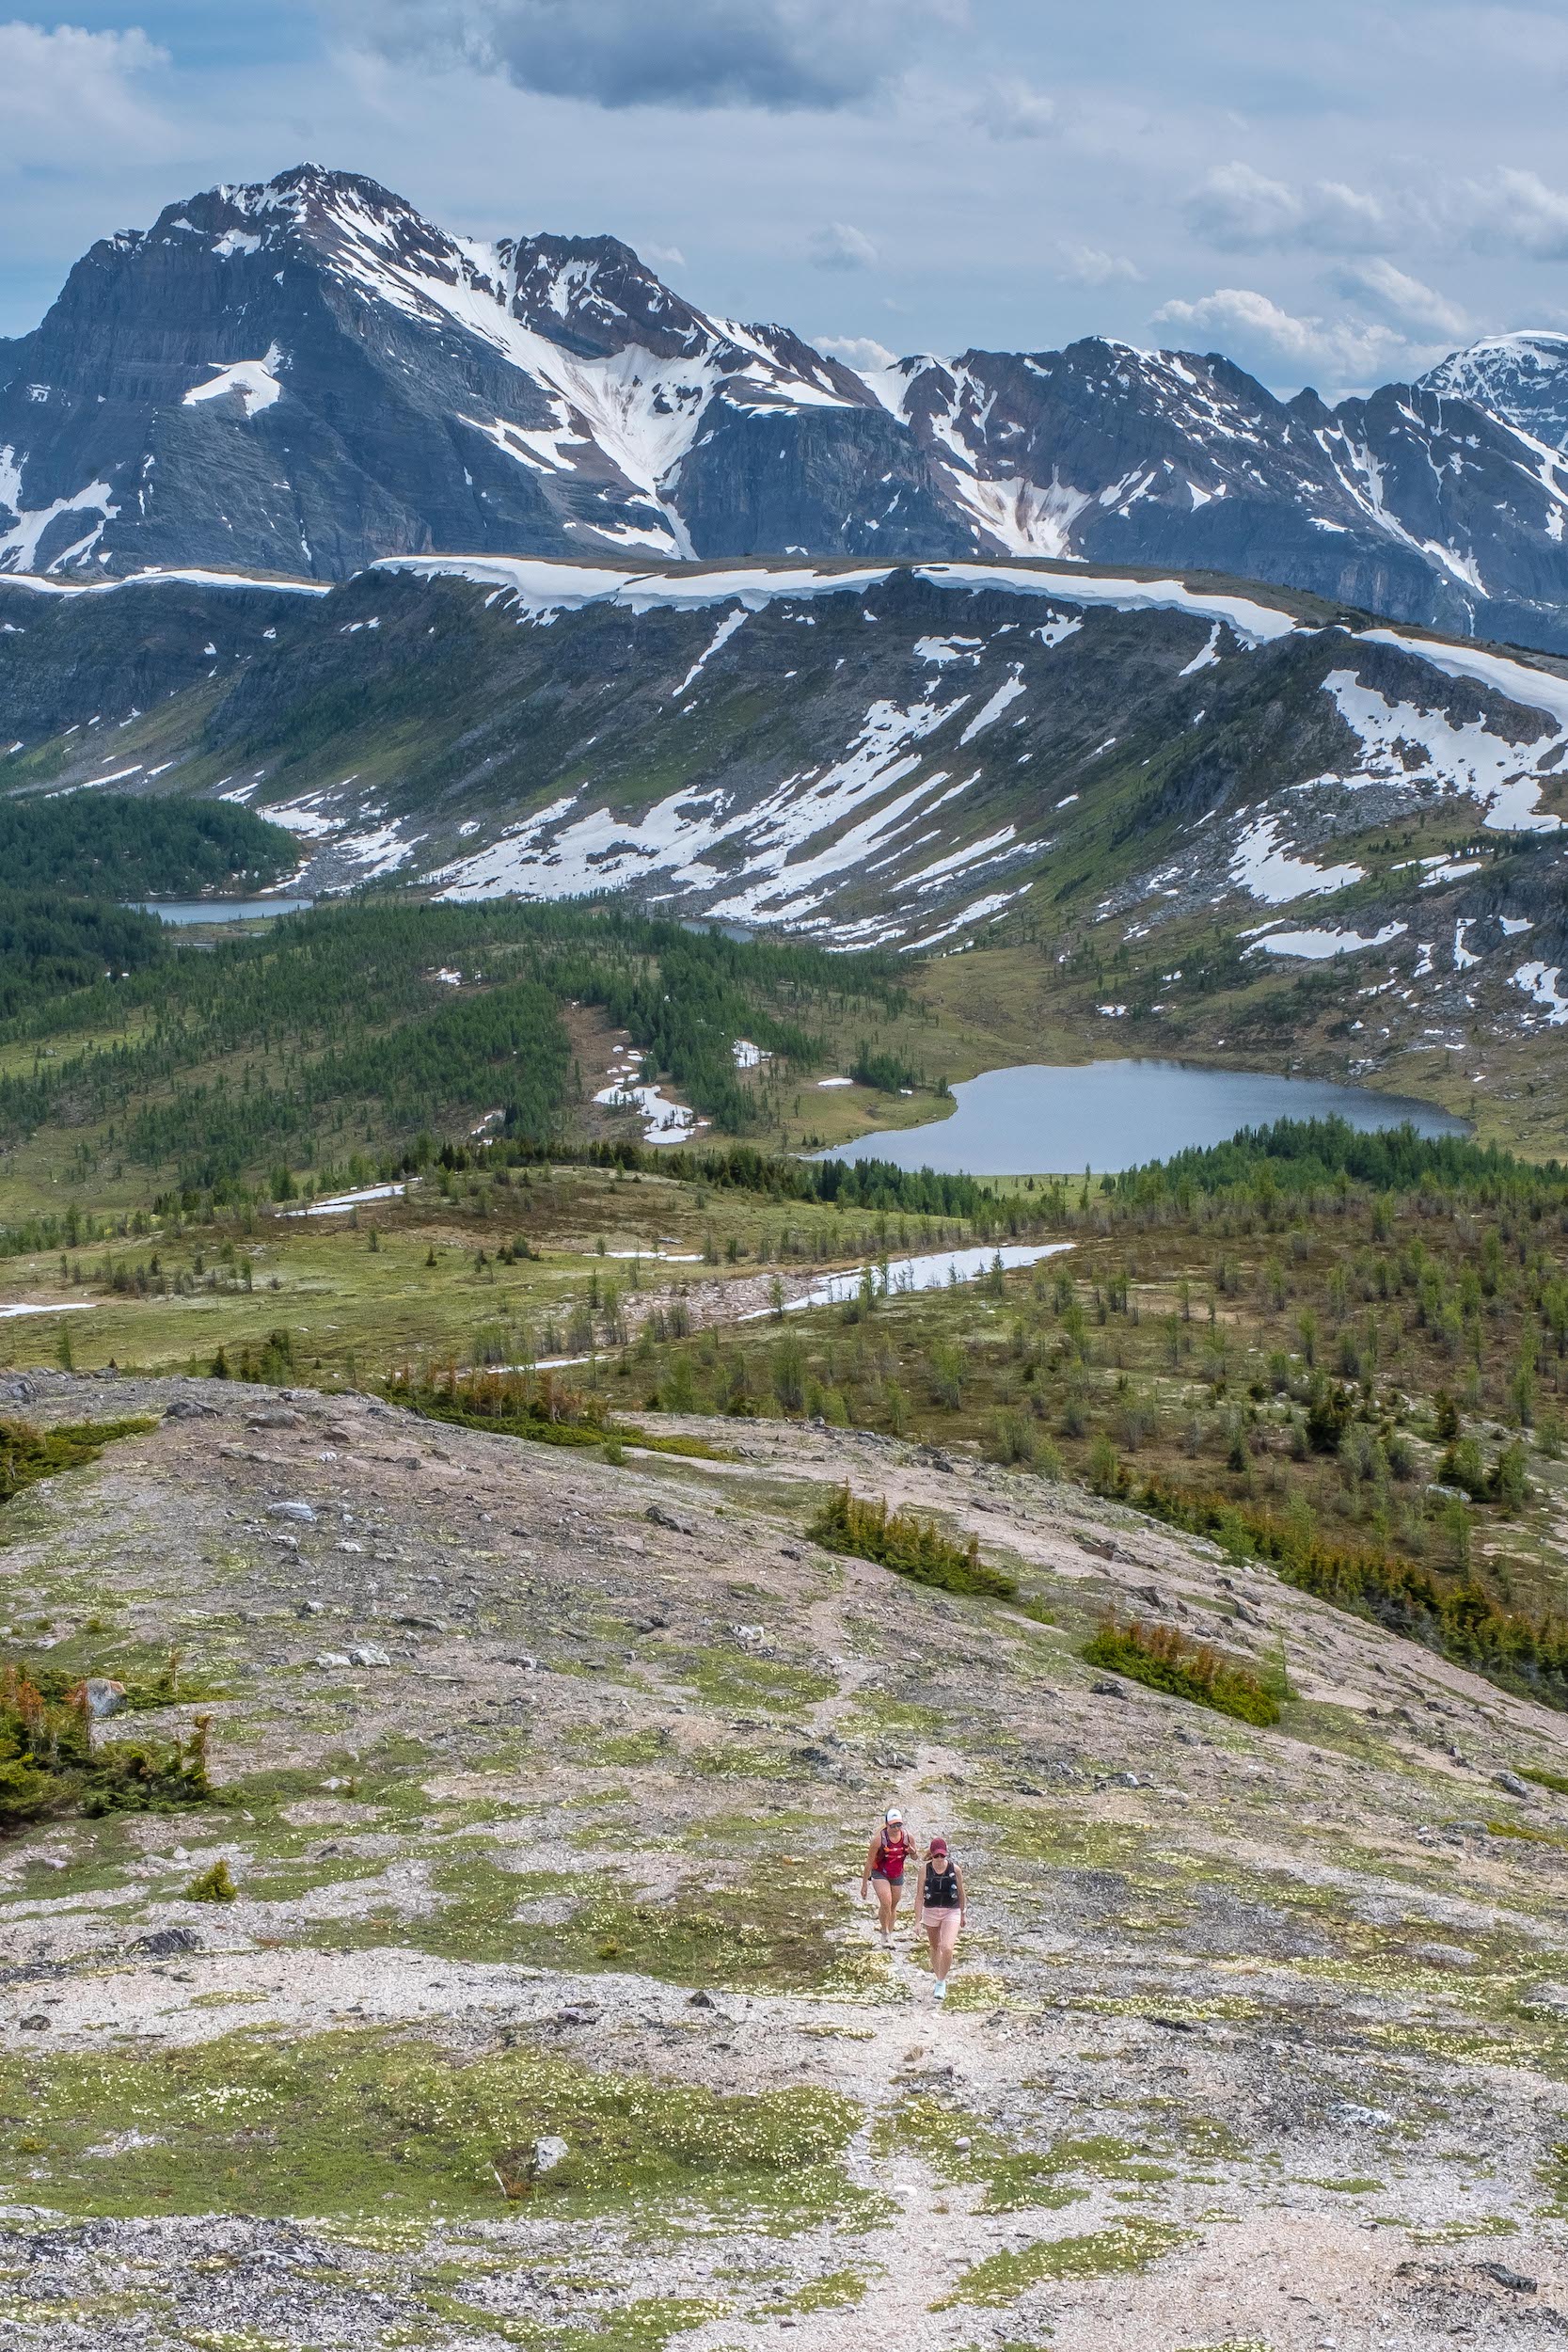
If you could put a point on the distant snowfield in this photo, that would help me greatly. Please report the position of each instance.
(543, 589)
(1269, 871)
(44, 584)
(1542, 983)
(1317, 946)
(341, 1203)
(252, 382)
(1505, 778)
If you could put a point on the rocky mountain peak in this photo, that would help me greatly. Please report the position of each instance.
(305, 374)
(594, 296)
(1522, 378)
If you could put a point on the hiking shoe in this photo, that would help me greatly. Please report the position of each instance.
(940, 1990)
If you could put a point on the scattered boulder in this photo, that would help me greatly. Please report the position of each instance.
(367, 1654)
(1105, 1688)
(1511, 1781)
(302, 1513)
(166, 1943)
(311, 1609)
(333, 1658)
(658, 1516)
(1500, 2275)
(38, 2023)
(183, 1408)
(550, 2153)
(103, 1696)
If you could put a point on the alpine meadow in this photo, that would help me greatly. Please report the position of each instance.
(783, 1180)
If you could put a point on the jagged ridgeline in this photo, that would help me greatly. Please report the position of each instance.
(400, 1022)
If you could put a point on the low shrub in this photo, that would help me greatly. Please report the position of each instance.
(213, 1885)
(29, 1454)
(908, 1546)
(1167, 1659)
(1451, 1614)
(48, 1763)
(517, 1403)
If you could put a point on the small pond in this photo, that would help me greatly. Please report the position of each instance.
(1111, 1115)
(186, 911)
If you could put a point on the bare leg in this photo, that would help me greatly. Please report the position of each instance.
(943, 1945)
(887, 1903)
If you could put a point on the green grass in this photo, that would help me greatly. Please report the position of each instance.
(1002, 2278)
(773, 1934)
(347, 2122)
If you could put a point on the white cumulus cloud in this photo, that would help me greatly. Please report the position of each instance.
(1402, 298)
(842, 245)
(1252, 327)
(1513, 211)
(1244, 211)
(1091, 266)
(67, 90)
(862, 353)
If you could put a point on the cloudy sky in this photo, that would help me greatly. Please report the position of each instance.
(1334, 196)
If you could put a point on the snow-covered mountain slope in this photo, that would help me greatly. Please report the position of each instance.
(1418, 502)
(303, 376)
(1522, 379)
(916, 756)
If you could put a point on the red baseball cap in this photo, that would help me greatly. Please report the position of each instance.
(939, 1845)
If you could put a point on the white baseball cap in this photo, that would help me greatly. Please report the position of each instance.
(892, 1815)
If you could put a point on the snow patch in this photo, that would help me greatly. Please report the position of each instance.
(1317, 946)
(1270, 872)
(1541, 982)
(253, 382)
(1009, 692)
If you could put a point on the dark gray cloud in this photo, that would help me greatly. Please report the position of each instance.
(776, 55)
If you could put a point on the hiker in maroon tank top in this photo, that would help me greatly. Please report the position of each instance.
(940, 1903)
(887, 1858)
